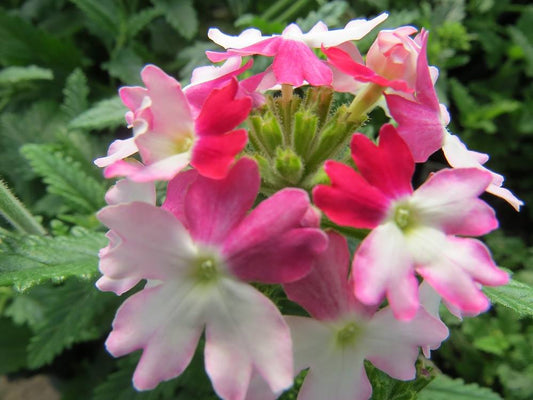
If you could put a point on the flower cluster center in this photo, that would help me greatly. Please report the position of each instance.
(348, 334)
(206, 269)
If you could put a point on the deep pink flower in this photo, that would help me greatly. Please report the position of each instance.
(294, 61)
(343, 333)
(168, 136)
(197, 253)
(412, 231)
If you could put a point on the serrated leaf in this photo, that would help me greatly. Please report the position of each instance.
(65, 178)
(13, 342)
(515, 295)
(71, 313)
(26, 261)
(75, 94)
(445, 388)
(125, 65)
(107, 113)
(24, 44)
(181, 15)
(137, 22)
(105, 14)
(12, 75)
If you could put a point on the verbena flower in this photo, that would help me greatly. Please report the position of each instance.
(412, 231)
(197, 253)
(343, 332)
(294, 62)
(169, 137)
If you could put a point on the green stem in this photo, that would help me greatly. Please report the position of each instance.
(365, 100)
(275, 8)
(292, 10)
(17, 215)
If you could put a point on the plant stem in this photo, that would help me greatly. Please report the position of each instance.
(16, 214)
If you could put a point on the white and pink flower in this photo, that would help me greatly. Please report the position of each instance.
(197, 253)
(169, 137)
(413, 232)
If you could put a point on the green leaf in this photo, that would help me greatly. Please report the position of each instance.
(26, 261)
(181, 15)
(71, 314)
(445, 388)
(515, 295)
(125, 65)
(12, 75)
(13, 342)
(75, 94)
(105, 14)
(137, 22)
(18, 216)
(66, 178)
(107, 113)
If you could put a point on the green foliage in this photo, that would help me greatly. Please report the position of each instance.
(181, 15)
(13, 342)
(515, 295)
(65, 178)
(445, 388)
(13, 75)
(26, 261)
(75, 94)
(107, 113)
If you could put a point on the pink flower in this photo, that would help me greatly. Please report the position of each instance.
(391, 61)
(412, 231)
(168, 137)
(197, 253)
(205, 79)
(343, 333)
(422, 124)
(294, 61)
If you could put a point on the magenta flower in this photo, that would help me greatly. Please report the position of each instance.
(168, 136)
(294, 61)
(343, 333)
(412, 231)
(197, 253)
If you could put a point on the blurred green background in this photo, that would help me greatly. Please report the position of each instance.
(61, 64)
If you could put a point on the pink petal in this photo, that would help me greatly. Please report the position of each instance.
(170, 109)
(383, 266)
(213, 208)
(213, 155)
(161, 257)
(126, 191)
(222, 102)
(133, 96)
(448, 200)
(118, 150)
(118, 286)
(246, 38)
(246, 331)
(344, 62)
(389, 166)
(176, 193)
(166, 322)
(295, 64)
(275, 224)
(163, 170)
(325, 292)
(350, 200)
(267, 47)
(392, 345)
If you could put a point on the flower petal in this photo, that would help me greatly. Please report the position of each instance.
(275, 224)
(245, 330)
(126, 191)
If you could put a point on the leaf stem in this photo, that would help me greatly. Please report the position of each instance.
(16, 214)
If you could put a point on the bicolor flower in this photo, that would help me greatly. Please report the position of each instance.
(343, 333)
(197, 253)
(413, 232)
(294, 61)
(167, 135)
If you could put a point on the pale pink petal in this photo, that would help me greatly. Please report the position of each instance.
(170, 109)
(133, 96)
(449, 200)
(118, 150)
(245, 330)
(325, 292)
(166, 322)
(163, 170)
(258, 389)
(126, 191)
(354, 30)
(164, 255)
(388, 166)
(177, 189)
(267, 47)
(459, 157)
(246, 38)
(392, 345)
(350, 200)
(383, 266)
(248, 248)
(214, 207)
(118, 286)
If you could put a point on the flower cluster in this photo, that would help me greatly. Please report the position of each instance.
(277, 204)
